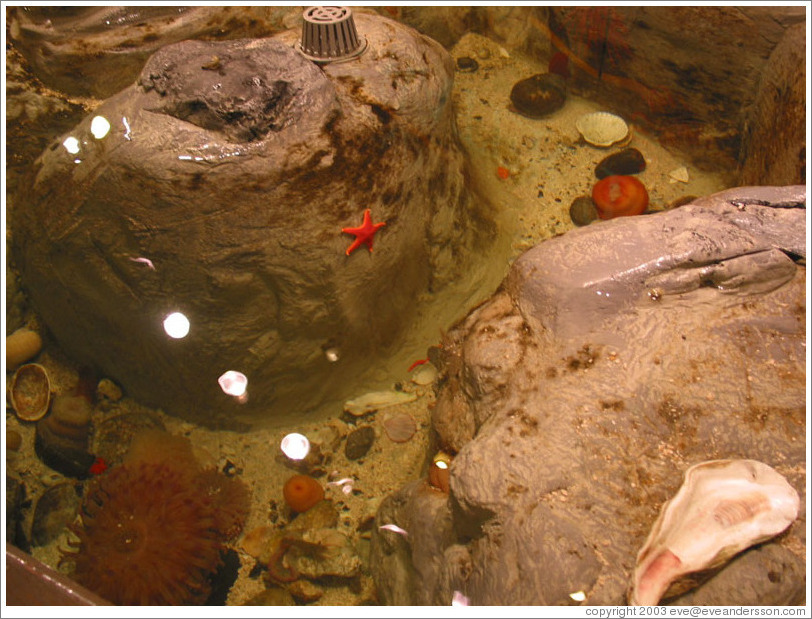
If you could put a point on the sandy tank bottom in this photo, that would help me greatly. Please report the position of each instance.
(529, 171)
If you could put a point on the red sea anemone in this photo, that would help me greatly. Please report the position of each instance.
(617, 196)
(152, 532)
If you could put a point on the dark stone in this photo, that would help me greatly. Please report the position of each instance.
(539, 95)
(224, 578)
(622, 163)
(56, 508)
(466, 64)
(583, 211)
(358, 442)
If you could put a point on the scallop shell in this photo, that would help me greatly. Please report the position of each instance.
(400, 427)
(722, 508)
(30, 392)
(602, 128)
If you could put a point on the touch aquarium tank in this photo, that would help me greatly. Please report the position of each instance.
(406, 305)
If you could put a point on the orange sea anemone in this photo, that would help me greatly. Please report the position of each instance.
(302, 492)
(617, 196)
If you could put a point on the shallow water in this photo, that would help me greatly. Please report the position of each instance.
(547, 166)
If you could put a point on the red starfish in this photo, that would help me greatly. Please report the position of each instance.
(363, 234)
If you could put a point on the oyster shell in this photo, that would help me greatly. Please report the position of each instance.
(30, 392)
(723, 507)
(602, 128)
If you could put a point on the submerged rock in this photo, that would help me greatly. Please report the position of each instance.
(612, 358)
(220, 191)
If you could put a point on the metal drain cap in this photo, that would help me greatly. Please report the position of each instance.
(329, 35)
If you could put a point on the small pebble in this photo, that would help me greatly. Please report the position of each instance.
(622, 163)
(539, 95)
(14, 440)
(358, 442)
(108, 390)
(466, 64)
(583, 211)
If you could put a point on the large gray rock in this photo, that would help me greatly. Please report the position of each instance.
(233, 167)
(612, 359)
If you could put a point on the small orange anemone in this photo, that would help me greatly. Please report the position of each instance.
(302, 492)
(619, 196)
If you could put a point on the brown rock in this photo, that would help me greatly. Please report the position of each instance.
(358, 442)
(538, 96)
(624, 162)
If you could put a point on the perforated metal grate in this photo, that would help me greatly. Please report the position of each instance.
(329, 35)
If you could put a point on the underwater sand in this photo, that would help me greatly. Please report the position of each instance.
(549, 165)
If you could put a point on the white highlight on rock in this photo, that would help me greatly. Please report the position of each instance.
(332, 354)
(394, 528)
(578, 596)
(176, 325)
(295, 446)
(233, 383)
(99, 127)
(146, 261)
(71, 145)
(458, 599)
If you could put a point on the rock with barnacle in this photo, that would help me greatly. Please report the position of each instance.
(152, 530)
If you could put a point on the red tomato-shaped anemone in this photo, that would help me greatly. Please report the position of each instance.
(618, 196)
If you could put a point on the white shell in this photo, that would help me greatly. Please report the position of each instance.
(679, 175)
(376, 400)
(602, 128)
(723, 507)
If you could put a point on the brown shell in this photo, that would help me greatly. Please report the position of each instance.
(30, 392)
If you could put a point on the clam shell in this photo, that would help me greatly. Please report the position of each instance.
(602, 128)
(722, 508)
(30, 392)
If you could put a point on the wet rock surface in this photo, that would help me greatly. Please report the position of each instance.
(231, 209)
(613, 358)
